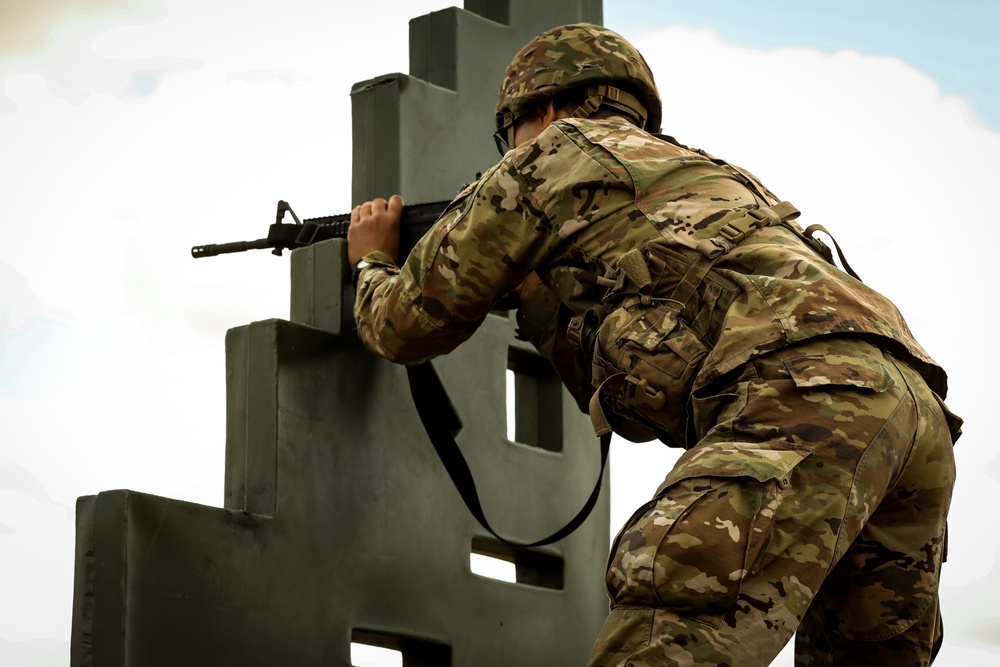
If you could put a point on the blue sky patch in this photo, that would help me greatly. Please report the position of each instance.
(953, 42)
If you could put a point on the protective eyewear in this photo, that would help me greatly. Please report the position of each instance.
(504, 136)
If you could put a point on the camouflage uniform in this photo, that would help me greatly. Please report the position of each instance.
(818, 471)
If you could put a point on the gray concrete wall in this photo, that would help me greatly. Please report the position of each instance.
(340, 525)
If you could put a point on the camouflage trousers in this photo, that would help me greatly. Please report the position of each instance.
(814, 501)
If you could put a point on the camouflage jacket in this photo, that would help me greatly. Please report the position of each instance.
(578, 205)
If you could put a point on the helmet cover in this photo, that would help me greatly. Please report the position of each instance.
(578, 55)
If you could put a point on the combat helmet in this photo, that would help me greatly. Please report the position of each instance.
(613, 72)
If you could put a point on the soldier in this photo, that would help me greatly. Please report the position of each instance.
(678, 299)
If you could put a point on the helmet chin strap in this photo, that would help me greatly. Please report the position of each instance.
(616, 98)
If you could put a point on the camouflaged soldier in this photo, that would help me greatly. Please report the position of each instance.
(677, 299)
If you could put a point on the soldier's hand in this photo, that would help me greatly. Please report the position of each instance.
(527, 286)
(374, 226)
(515, 298)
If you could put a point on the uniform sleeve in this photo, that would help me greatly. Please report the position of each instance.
(486, 242)
(542, 321)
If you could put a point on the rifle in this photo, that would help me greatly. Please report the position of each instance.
(430, 397)
(416, 220)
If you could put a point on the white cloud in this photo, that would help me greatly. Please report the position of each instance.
(281, 75)
(36, 545)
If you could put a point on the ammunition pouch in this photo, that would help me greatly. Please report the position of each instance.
(645, 359)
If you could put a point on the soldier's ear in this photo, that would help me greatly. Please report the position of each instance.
(547, 112)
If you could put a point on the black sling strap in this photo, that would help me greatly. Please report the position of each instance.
(454, 462)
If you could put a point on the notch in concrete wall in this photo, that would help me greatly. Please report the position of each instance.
(531, 567)
(371, 647)
(490, 9)
(536, 407)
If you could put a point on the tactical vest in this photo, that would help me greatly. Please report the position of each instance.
(653, 338)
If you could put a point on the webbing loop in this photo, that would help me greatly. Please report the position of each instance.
(733, 232)
(814, 242)
(583, 327)
(625, 384)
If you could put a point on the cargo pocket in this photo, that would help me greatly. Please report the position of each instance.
(690, 548)
(833, 369)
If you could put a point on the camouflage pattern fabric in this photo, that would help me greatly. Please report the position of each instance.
(569, 205)
(799, 392)
(814, 500)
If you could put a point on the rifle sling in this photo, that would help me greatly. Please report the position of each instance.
(458, 469)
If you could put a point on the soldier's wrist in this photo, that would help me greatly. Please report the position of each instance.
(374, 258)
(536, 314)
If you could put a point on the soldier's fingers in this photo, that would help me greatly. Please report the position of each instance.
(378, 205)
(355, 214)
(395, 205)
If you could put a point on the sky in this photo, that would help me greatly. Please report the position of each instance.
(131, 130)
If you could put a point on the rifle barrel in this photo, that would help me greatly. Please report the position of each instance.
(213, 249)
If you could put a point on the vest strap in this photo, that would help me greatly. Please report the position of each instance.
(734, 231)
